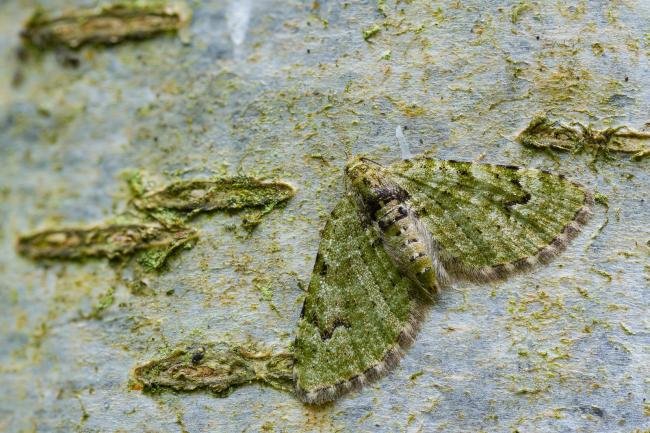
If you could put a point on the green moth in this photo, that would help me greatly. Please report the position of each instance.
(400, 234)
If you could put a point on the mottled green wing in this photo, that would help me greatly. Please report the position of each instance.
(492, 220)
(359, 314)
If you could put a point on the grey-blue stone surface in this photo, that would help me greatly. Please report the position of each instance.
(289, 89)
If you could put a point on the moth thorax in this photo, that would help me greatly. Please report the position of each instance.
(408, 244)
(372, 185)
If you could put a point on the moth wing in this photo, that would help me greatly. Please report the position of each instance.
(359, 313)
(490, 221)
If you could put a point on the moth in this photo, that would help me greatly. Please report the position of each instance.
(397, 237)
(401, 234)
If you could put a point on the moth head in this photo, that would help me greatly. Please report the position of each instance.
(364, 175)
(373, 185)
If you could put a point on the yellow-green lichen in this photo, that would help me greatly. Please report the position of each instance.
(105, 300)
(181, 200)
(518, 10)
(371, 31)
(381, 7)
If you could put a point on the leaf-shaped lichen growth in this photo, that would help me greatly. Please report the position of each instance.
(218, 367)
(152, 241)
(184, 199)
(108, 24)
(542, 133)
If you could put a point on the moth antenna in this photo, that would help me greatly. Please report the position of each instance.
(345, 182)
(403, 144)
(347, 154)
(372, 161)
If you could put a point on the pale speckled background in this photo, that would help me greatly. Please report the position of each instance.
(288, 89)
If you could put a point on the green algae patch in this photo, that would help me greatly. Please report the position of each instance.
(181, 200)
(371, 32)
(105, 25)
(218, 367)
(104, 301)
(543, 133)
(381, 8)
(518, 10)
(110, 241)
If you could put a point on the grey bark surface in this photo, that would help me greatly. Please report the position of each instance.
(287, 90)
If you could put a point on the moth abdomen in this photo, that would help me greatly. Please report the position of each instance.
(408, 245)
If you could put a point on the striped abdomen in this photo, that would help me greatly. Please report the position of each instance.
(408, 244)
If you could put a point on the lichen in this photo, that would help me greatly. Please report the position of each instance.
(543, 133)
(371, 31)
(171, 207)
(219, 367)
(111, 241)
(518, 10)
(179, 201)
(105, 300)
(105, 25)
(381, 7)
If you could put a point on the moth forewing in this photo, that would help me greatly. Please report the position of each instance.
(360, 314)
(491, 221)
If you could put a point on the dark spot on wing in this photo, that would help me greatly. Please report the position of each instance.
(302, 311)
(525, 199)
(416, 256)
(402, 213)
(326, 334)
(323, 269)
